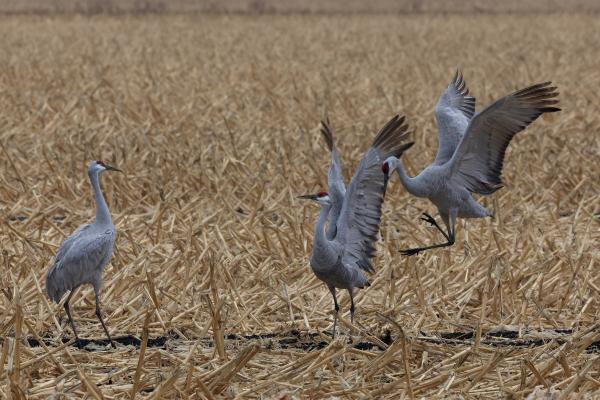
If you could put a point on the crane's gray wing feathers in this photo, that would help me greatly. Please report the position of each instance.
(66, 245)
(79, 260)
(358, 224)
(477, 163)
(335, 181)
(453, 111)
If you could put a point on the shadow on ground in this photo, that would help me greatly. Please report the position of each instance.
(310, 341)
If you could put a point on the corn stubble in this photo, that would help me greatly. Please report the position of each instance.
(215, 122)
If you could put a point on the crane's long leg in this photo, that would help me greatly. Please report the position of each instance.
(428, 218)
(336, 307)
(99, 315)
(68, 311)
(352, 309)
(450, 236)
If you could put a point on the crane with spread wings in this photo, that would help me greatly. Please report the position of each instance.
(341, 255)
(471, 151)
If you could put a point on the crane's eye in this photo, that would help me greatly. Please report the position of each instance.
(321, 194)
(100, 162)
(385, 168)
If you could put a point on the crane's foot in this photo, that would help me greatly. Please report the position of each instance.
(410, 252)
(80, 343)
(429, 219)
(417, 250)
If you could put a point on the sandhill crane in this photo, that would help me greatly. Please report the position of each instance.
(341, 259)
(471, 151)
(83, 255)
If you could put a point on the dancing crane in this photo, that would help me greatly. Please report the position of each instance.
(471, 151)
(342, 256)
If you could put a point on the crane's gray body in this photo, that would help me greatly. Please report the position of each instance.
(327, 264)
(81, 258)
(436, 185)
(471, 150)
(341, 255)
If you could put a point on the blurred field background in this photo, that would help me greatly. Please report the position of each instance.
(215, 120)
(258, 7)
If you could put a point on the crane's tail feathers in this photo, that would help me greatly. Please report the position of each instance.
(55, 292)
(327, 134)
(484, 187)
(364, 285)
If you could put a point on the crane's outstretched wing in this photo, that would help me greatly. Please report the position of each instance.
(477, 163)
(453, 111)
(359, 220)
(77, 259)
(335, 182)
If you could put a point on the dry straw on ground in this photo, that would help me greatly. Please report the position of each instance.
(215, 121)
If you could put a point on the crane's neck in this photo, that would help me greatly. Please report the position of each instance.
(412, 184)
(102, 212)
(324, 252)
(334, 214)
(320, 237)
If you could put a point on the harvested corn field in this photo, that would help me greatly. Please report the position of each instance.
(215, 122)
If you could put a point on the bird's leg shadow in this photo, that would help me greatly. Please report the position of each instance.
(99, 315)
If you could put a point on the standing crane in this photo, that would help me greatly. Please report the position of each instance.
(342, 255)
(471, 151)
(82, 257)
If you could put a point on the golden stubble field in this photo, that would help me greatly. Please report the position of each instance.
(215, 121)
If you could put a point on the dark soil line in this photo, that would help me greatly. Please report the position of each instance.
(309, 341)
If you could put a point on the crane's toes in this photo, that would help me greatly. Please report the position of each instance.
(429, 219)
(80, 343)
(410, 252)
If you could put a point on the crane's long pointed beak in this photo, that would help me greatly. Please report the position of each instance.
(307, 197)
(111, 168)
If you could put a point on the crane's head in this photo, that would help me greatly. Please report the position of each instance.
(100, 166)
(321, 198)
(388, 167)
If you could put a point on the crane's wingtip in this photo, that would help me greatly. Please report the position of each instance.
(327, 134)
(551, 109)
